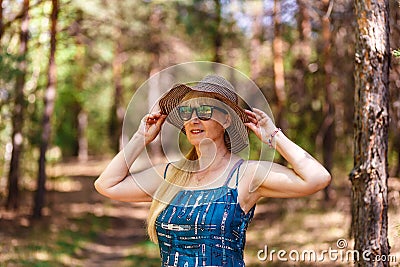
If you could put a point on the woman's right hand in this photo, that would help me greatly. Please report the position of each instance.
(150, 126)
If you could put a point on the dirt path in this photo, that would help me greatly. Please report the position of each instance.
(125, 224)
(111, 247)
(113, 233)
(73, 205)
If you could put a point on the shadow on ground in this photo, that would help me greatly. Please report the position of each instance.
(82, 228)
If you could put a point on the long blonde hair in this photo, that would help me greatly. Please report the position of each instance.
(179, 177)
(166, 192)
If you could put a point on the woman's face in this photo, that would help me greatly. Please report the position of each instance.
(198, 130)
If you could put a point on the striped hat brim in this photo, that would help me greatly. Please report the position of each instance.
(237, 132)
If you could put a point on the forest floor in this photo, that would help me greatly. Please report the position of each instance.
(82, 228)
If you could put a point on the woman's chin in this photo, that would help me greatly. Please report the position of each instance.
(200, 140)
(196, 138)
(195, 141)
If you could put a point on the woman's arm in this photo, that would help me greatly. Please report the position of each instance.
(306, 176)
(116, 182)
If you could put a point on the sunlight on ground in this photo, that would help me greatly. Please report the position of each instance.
(82, 228)
(307, 228)
(64, 185)
(90, 168)
(297, 231)
(394, 234)
(137, 211)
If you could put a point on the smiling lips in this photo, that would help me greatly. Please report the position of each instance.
(196, 131)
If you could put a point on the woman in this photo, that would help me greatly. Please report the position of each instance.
(201, 208)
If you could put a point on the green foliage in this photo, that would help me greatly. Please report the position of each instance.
(146, 257)
(94, 34)
(8, 72)
(8, 66)
(151, 35)
(199, 21)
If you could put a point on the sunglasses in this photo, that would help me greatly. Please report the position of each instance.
(203, 112)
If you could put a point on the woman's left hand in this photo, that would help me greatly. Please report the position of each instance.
(306, 176)
(260, 123)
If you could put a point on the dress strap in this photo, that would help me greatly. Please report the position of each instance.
(165, 172)
(234, 168)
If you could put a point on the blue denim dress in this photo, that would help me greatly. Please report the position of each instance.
(204, 227)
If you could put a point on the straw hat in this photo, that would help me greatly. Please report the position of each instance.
(236, 135)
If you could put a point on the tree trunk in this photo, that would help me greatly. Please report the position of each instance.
(1, 19)
(18, 113)
(256, 42)
(217, 33)
(49, 99)
(155, 21)
(83, 150)
(117, 111)
(370, 173)
(299, 92)
(81, 115)
(326, 136)
(279, 73)
(304, 47)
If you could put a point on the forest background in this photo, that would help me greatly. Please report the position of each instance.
(300, 54)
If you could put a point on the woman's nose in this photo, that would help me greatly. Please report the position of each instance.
(194, 116)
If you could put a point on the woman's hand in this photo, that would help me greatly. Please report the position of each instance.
(116, 181)
(150, 126)
(261, 124)
(306, 175)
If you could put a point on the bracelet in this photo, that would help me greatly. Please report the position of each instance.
(277, 130)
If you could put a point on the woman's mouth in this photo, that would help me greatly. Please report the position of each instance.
(196, 131)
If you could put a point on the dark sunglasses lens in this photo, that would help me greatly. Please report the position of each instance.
(185, 112)
(204, 112)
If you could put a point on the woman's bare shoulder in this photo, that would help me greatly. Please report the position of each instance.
(255, 172)
(252, 165)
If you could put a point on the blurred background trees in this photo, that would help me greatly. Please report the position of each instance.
(68, 69)
(300, 53)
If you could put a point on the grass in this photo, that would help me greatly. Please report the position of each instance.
(292, 224)
(81, 228)
(143, 254)
(47, 245)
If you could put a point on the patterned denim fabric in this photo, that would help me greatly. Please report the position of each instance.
(195, 232)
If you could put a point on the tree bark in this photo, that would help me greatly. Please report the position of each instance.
(256, 42)
(217, 33)
(49, 99)
(304, 47)
(117, 111)
(302, 92)
(1, 19)
(370, 173)
(299, 91)
(83, 148)
(279, 73)
(18, 113)
(81, 114)
(156, 25)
